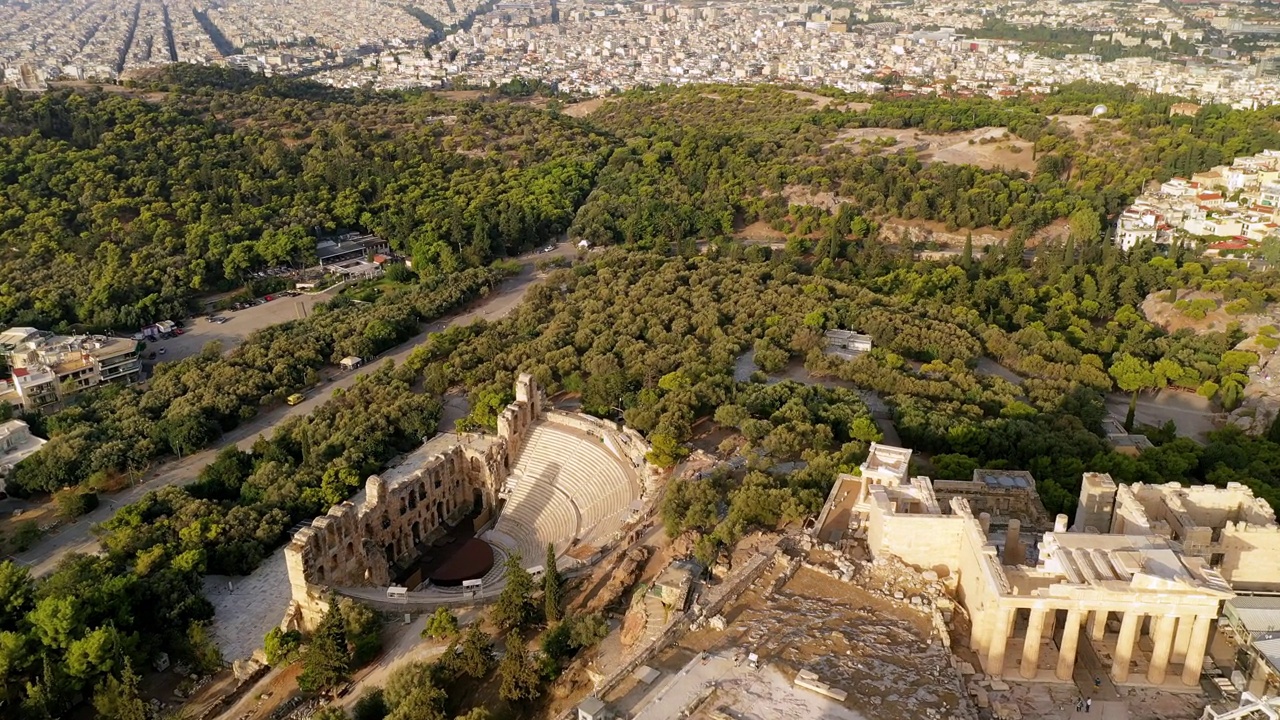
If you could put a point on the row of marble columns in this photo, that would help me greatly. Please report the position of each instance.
(1179, 639)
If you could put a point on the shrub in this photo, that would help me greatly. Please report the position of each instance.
(442, 624)
(281, 646)
(73, 502)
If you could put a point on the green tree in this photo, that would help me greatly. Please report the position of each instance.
(17, 592)
(518, 674)
(1086, 227)
(117, 698)
(552, 586)
(325, 663)
(411, 693)
(1269, 250)
(475, 652)
(588, 630)
(25, 535)
(281, 646)
(514, 608)
(363, 628)
(372, 705)
(1132, 374)
(666, 450)
(442, 624)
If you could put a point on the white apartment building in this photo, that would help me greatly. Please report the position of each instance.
(48, 368)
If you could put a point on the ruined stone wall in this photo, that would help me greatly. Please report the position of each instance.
(927, 541)
(1003, 504)
(1097, 499)
(1130, 515)
(1209, 506)
(980, 577)
(1196, 516)
(363, 545)
(1250, 556)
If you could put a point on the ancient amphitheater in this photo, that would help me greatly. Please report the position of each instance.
(546, 478)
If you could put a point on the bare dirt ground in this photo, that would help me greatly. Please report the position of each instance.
(1079, 124)
(460, 94)
(240, 324)
(584, 108)
(1262, 394)
(880, 652)
(1161, 312)
(269, 693)
(820, 102)
(760, 232)
(998, 151)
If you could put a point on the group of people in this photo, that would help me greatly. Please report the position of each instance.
(1086, 704)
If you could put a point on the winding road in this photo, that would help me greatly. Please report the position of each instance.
(77, 536)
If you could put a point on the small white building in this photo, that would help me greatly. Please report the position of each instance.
(887, 465)
(16, 443)
(351, 362)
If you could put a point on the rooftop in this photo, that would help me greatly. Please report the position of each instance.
(1008, 479)
(886, 458)
(1127, 563)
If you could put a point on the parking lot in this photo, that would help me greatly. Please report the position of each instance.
(200, 331)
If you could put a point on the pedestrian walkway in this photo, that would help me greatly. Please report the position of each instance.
(1104, 710)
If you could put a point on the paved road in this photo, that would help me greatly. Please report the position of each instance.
(1194, 416)
(77, 537)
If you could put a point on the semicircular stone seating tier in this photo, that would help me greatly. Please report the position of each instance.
(568, 486)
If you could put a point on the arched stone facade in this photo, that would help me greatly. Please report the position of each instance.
(358, 543)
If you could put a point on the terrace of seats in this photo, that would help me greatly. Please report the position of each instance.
(567, 486)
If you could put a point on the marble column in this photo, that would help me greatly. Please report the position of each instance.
(1182, 639)
(1013, 550)
(1031, 645)
(1070, 640)
(1195, 650)
(999, 638)
(1162, 631)
(1098, 629)
(1124, 646)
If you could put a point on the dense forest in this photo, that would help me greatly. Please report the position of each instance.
(121, 209)
(125, 208)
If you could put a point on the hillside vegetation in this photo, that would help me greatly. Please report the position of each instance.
(119, 211)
